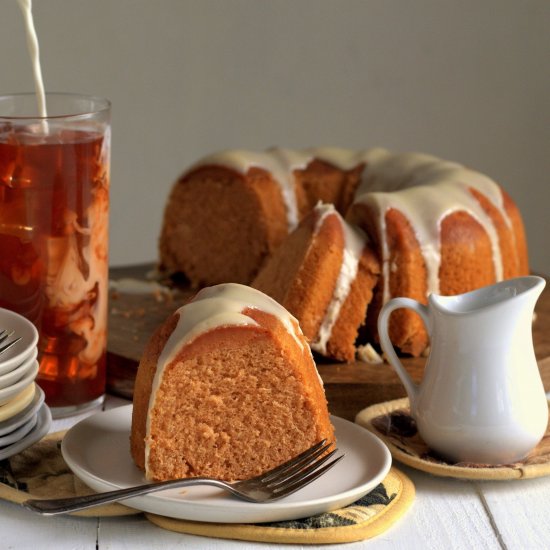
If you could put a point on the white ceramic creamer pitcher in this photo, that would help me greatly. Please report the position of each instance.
(481, 399)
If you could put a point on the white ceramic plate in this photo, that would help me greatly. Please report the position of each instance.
(18, 372)
(18, 403)
(19, 433)
(7, 393)
(97, 450)
(20, 418)
(43, 424)
(20, 351)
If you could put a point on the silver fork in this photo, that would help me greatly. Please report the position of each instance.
(267, 487)
(4, 335)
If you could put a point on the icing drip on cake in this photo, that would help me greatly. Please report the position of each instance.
(213, 307)
(354, 243)
(426, 189)
(280, 163)
(344, 159)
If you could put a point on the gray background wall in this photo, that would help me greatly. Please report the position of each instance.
(466, 80)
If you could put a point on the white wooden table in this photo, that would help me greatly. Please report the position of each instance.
(446, 514)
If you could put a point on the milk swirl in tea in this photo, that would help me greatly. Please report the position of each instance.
(54, 185)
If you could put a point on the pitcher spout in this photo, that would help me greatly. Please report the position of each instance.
(526, 288)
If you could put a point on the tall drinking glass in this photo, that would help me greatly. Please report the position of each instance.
(54, 206)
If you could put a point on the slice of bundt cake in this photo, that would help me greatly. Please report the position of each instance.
(226, 388)
(323, 273)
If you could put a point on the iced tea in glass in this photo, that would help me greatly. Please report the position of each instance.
(54, 204)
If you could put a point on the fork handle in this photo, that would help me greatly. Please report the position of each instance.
(55, 506)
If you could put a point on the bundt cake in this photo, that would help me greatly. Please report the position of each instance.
(435, 226)
(323, 273)
(226, 388)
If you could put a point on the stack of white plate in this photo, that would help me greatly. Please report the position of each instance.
(24, 417)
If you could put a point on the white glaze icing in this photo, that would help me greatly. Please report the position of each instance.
(344, 159)
(426, 188)
(213, 307)
(281, 164)
(354, 243)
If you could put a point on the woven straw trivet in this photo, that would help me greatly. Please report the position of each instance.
(369, 516)
(41, 472)
(391, 421)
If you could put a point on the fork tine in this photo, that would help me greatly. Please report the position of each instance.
(9, 345)
(5, 334)
(297, 463)
(285, 465)
(306, 477)
(297, 473)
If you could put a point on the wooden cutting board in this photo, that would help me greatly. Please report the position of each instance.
(350, 388)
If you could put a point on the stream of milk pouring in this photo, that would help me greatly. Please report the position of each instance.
(34, 52)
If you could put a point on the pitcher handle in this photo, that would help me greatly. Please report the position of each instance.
(383, 320)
